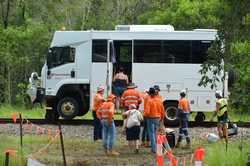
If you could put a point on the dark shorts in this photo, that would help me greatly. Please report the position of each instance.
(133, 133)
(223, 119)
(118, 91)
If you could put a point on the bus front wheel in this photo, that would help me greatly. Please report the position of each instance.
(68, 107)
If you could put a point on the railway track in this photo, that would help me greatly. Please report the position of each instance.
(117, 122)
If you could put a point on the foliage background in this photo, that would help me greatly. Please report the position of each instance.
(26, 28)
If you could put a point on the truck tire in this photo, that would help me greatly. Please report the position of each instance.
(171, 113)
(68, 107)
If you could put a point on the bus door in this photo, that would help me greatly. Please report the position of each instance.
(123, 57)
(102, 67)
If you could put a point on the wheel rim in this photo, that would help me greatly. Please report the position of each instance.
(171, 113)
(68, 108)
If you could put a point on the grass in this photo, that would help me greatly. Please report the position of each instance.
(37, 113)
(85, 152)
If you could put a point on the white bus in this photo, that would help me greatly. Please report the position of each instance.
(150, 54)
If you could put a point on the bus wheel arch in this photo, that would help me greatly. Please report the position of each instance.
(70, 102)
(171, 112)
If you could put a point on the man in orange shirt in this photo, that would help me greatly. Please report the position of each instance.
(98, 100)
(157, 90)
(154, 112)
(184, 110)
(131, 96)
(106, 115)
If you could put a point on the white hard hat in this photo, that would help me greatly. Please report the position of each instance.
(100, 88)
(218, 93)
(183, 91)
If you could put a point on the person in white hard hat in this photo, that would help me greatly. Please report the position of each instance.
(184, 110)
(222, 115)
(98, 101)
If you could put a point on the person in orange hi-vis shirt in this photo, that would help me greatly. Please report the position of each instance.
(154, 112)
(184, 110)
(131, 96)
(106, 115)
(98, 100)
(145, 137)
(157, 90)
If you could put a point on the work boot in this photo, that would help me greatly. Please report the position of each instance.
(178, 145)
(188, 145)
(114, 153)
(107, 152)
(147, 144)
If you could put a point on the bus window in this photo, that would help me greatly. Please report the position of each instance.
(99, 51)
(199, 51)
(60, 55)
(160, 51)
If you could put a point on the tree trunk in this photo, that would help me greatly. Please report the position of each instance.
(9, 85)
(6, 14)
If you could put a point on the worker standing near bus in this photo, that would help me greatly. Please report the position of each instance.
(106, 115)
(145, 137)
(154, 112)
(131, 96)
(157, 90)
(184, 111)
(120, 83)
(98, 101)
(222, 115)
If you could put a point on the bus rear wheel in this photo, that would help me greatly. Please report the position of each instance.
(68, 107)
(171, 113)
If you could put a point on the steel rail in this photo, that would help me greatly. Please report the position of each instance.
(73, 122)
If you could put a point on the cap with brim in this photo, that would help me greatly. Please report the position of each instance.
(151, 91)
(131, 86)
(157, 87)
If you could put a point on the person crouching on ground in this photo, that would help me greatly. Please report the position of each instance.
(134, 118)
(154, 112)
(98, 101)
(184, 110)
(106, 115)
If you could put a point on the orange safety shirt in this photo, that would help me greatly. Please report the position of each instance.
(154, 108)
(159, 96)
(106, 111)
(184, 105)
(131, 96)
(98, 100)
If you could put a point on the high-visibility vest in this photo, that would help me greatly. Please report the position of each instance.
(98, 101)
(131, 96)
(223, 106)
(106, 111)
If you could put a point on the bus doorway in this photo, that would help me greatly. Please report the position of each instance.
(123, 56)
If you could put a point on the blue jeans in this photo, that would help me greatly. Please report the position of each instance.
(153, 125)
(183, 130)
(108, 134)
(145, 131)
